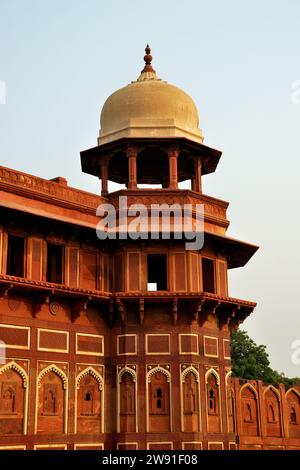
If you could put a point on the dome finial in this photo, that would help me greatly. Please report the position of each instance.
(148, 59)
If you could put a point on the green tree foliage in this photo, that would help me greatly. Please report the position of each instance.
(250, 361)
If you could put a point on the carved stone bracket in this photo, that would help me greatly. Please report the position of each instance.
(79, 307)
(111, 313)
(39, 301)
(197, 308)
(228, 316)
(236, 320)
(175, 311)
(142, 311)
(121, 309)
(4, 290)
(215, 306)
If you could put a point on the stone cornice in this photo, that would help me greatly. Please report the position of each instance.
(33, 187)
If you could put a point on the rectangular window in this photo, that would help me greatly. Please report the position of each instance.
(55, 257)
(15, 256)
(157, 272)
(208, 275)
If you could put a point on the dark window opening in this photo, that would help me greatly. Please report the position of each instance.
(88, 397)
(271, 414)
(55, 256)
(212, 402)
(158, 395)
(208, 275)
(157, 272)
(15, 256)
(248, 414)
(293, 416)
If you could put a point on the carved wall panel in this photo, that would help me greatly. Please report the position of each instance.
(190, 402)
(89, 407)
(293, 410)
(12, 403)
(249, 412)
(51, 404)
(127, 399)
(273, 413)
(213, 403)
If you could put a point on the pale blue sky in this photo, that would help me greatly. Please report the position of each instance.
(238, 60)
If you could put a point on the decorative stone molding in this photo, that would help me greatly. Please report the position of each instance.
(158, 369)
(14, 366)
(56, 370)
(187, 371)
(248, 385)
(124, 370)
(215, 373)
(90, 371)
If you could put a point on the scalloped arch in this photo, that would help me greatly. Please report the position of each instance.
(14, 366)
(124, 370)
(158, 369)
(57, 371)
(229, 374)
(191, 370)
(215, 373)
(90, 371)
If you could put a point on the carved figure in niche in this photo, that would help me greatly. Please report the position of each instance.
(248, 413)
(190, 394)
(211, 402)
(230, 402)
(50, 399)
(293, 416)
(271, 414)
(8, 397)
(127, 399)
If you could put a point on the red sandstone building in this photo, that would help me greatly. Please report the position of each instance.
(94, 358)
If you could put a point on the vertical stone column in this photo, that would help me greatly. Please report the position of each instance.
(284, 418)
(262, 417)
(173, 153)
(193, 185)
(104, 178)
(132, 167)
(238, 411)
(198, 176)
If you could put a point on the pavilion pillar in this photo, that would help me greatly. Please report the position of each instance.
(193, 180)
(104, 178)
(198, 176)
(173, 153)
(132, 167)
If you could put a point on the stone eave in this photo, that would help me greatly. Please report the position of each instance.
(237, 252)
(92, 156)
